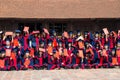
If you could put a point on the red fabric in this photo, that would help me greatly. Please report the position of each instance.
(118, 53)
(37, 42)
(40, 61)
(50, 50)
(114, 61)
(13, 55)
(25, 42)
(2, 63)
(81, 45)
(77, 60)
(26, 63)
(32, 52)
(65, 52)
(103, 41)
(15, 42)
(8, 52)
(118, 60)
(54, 42)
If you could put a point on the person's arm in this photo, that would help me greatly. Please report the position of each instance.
(4, 37)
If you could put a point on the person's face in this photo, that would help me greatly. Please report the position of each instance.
(87, 45)
(54, 56)
(96, 35)
(118, 44)
(97, 46)
(85, 35)
(38, 35)
(78, 33)
(71, 35)
(54, 34)
(113, 52)
(7, 43)
(35, 35)
(50, 44)
(42, 45)
(60, 44)
(111, 34)
(69, 44)
(27, 54)
(106, 47)
(103, 34)
(17, 34)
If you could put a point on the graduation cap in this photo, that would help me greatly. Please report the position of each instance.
(78, 32)
(106, 45)
(80, 40)
(53, 31)
(85, 32)
(118, 41)
(113, 49)
(96, 32)
(86, 43)
(70, 32)
(59, 42)
(7, 41)
(27, 51)
(101, 32)
(49, 41)
(42, 42)
(17, 31)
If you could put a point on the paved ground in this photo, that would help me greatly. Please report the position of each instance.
(76, 74)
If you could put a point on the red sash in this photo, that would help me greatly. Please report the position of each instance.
(26, 63)
(8, 52)
(50, 49)
(2, 63)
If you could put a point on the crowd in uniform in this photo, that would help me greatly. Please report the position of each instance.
(46, 50)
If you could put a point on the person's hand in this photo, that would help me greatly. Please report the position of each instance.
(10, 58)
(71, 54)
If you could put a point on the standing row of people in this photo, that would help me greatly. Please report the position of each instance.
(38, 50)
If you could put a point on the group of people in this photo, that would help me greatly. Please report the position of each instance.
(22, 50)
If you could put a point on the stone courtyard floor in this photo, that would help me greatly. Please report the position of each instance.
(69, 74)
